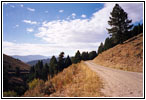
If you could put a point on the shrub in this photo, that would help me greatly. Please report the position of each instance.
(10, 94)
(33, 83)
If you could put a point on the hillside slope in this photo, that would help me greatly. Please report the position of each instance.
(75, 81)
(13, 63)
(127, 56)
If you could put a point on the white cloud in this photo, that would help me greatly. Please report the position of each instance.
(12, 48)
(134, 10)
(29, 22)
(30, 9)
(73, 15)
(21, 5)
(29, 30)
(61, 11)
(72, 35)
(83, 16)
(86, 30)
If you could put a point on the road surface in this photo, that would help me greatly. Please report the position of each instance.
(118, 83)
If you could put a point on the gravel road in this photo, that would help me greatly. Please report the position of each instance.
(118, 83)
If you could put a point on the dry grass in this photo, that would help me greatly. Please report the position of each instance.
(127, 56)
(77, 81)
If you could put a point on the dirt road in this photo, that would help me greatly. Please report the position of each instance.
(118, 83)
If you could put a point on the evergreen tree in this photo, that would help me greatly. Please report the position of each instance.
(61, 61)
(100, 48)
(92, 55)
(38, 69)
(77, 57)
(85, 56)
(67, 62)
(53, 66)
(108, 43)
(120, 24)
(45, 71)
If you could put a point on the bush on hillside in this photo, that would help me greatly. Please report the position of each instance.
(10, 94)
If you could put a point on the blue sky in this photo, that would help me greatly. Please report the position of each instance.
(49, 28)
(14, 14)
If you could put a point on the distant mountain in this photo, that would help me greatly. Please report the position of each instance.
(33, 62)
(11, 63)
(29, 57)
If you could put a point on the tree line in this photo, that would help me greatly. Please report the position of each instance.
(57, 65)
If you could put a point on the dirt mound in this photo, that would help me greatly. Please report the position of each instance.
(127, 56)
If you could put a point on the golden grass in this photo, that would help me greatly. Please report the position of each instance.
(77, 81)
(127, 56)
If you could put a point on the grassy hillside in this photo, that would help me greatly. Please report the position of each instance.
(75, 81)
(12, 63)
(127, 56)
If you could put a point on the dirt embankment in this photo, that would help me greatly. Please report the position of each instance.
(127, 56)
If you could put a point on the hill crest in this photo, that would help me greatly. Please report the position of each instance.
(127, 56)
(10, 61)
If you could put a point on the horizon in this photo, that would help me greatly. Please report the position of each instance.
(58, 27)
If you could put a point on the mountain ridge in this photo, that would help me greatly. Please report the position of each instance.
(28, 58)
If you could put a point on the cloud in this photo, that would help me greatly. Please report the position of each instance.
(134, 10)
(21, 5)
(30, 9)
(73, 15)
(83, 16)
(29, 22)
(29, 30)
(61, 11)
(83, 31)
(74, 34)
(12, 48)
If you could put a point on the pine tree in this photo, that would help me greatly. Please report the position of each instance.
(100, 48)
(92, 55)
(108, 43)
(45, 71)
(53, 66)
(85, 56)
(120, 24)
(67, 61)
(61, 61)
(77, 57)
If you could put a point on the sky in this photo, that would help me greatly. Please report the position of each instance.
(50, 28)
